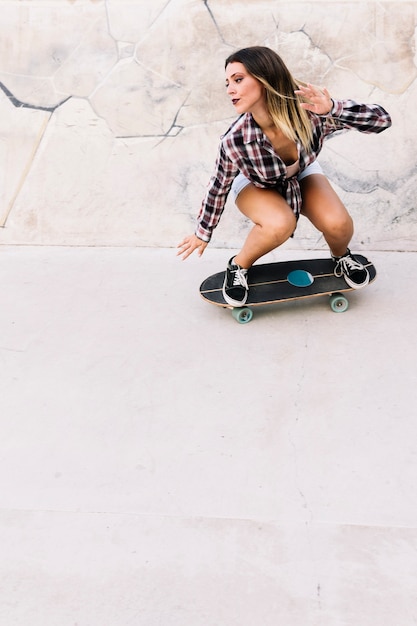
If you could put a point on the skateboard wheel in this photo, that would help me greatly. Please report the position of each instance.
(338, 303)
(242, 315)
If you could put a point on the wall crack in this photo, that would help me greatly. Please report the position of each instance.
(213, 19)
(27, 105)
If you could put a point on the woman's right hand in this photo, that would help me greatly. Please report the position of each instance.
(189, 244)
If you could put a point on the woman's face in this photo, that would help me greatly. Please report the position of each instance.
(245, 91)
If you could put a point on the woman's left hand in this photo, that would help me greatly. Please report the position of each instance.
(319, 100)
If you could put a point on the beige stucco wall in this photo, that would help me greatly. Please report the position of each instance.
(111, 111)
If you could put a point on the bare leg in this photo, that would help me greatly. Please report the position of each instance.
(274, 222)
(326, 211)
(323, 207)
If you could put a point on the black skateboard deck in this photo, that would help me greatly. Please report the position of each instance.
(270, 283)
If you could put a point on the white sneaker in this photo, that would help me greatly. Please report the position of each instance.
(355, 274)
(235, 286)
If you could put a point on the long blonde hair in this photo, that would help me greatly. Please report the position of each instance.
(283, 104)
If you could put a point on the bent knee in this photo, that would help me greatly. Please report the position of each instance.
(268, 210)
(337, 225)
(279, 228)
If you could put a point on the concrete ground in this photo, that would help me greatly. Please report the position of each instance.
(163, 465)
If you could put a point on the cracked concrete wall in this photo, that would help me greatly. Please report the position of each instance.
(111, 112)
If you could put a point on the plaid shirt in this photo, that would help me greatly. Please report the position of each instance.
(244, 148)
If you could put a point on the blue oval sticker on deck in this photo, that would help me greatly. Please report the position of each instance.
(300, 278)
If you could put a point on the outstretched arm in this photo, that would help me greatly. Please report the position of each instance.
(344, 114)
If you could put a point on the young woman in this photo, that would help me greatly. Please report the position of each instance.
(267, 159)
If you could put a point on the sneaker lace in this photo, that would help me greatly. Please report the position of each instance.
(347, 264)
(239, 278)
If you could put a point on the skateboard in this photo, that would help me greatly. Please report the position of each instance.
(270, 283)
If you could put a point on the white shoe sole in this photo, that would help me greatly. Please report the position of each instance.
(355, 285)
(235, 303)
